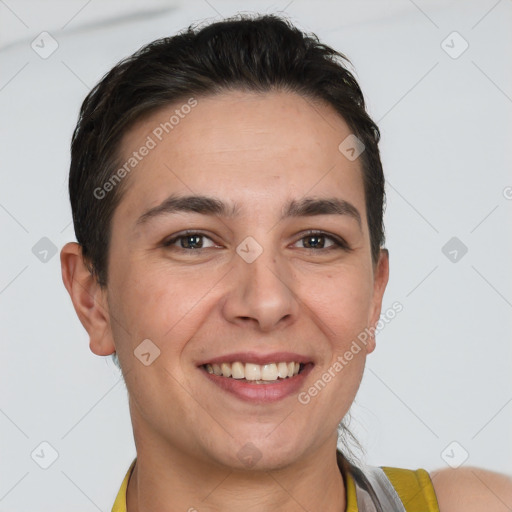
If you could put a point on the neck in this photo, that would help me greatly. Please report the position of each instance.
(171, 482)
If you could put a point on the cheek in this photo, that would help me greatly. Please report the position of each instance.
(159, 303)
(332, 390)
(156, 393)
(166, 310)
(340, 299)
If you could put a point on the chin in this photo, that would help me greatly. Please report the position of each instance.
(259, 454)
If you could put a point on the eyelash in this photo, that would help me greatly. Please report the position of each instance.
(339, 243)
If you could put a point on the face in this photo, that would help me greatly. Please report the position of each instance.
(269, 266)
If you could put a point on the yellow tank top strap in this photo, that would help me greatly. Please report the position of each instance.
(350, 492)
(414, 487)
(120, 502)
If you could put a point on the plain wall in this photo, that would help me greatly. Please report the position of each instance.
(442, 368)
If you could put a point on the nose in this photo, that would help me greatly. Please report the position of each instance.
(262, 293)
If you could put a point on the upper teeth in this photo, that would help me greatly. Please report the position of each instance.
(250, 371)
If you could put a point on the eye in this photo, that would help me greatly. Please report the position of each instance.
(189, 241)
(317, 240)
(195, 241)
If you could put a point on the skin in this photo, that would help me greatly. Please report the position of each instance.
(472, 489)
(258, 152)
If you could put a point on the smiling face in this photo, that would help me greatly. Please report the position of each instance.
(249, 176)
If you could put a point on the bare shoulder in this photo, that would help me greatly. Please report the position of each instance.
(472, 489)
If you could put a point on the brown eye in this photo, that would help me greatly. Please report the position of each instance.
(320, 240)
(192, 241)
(314, 241)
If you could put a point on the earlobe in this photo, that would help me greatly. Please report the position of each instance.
(89, 299)
(370, 343)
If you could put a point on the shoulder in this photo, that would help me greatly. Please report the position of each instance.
(471, 489)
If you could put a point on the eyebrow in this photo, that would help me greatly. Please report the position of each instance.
(205, 205)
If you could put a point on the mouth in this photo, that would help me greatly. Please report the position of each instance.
(256, 378)
(256, 373)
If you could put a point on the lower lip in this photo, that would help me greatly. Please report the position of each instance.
(261, 393)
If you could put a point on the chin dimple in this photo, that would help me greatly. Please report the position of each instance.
(258, 373)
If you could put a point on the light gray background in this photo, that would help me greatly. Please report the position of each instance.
(442, 369)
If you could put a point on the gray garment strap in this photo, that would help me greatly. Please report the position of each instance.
(380, 496)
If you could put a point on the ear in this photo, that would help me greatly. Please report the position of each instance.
(380, 281)
(89, 299)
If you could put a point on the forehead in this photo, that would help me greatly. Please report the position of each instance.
(240, 145)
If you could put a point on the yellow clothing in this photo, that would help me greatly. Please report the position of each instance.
(414, 488)
(120, 503)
